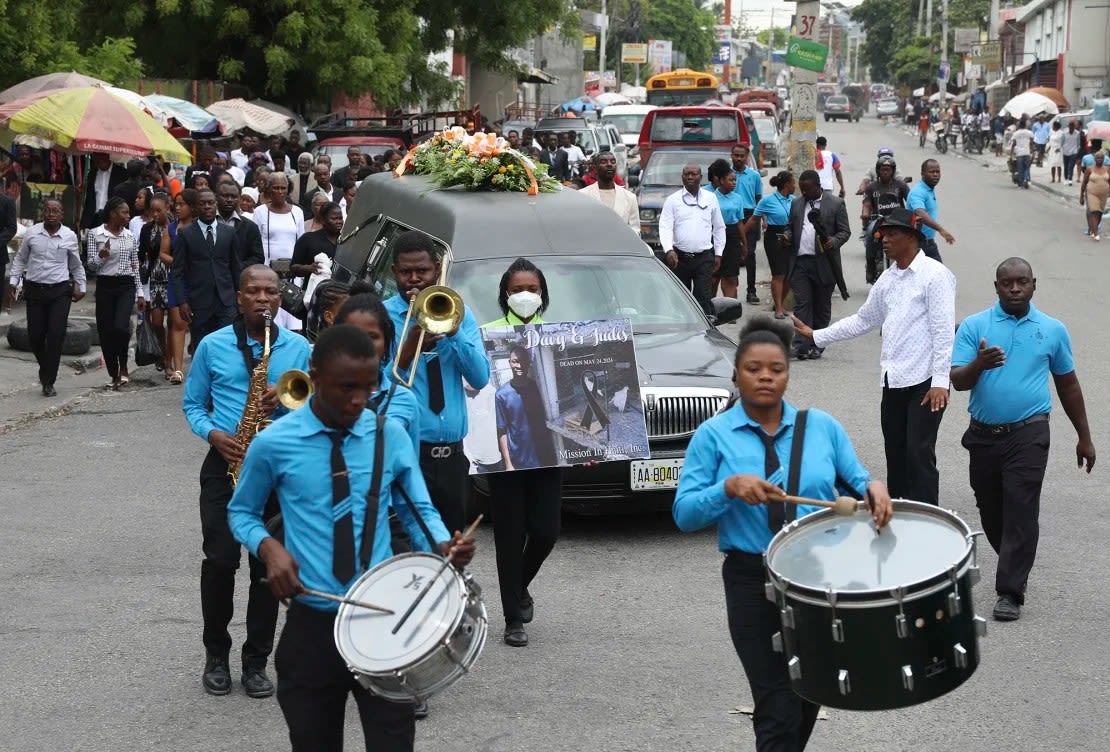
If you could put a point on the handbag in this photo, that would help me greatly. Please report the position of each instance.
(148, 350)
(292, 297)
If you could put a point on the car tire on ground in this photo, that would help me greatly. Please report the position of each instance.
(78, 339)
(91, 322)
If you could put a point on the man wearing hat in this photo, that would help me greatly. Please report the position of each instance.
(914, 302)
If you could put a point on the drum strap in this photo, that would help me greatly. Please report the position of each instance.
(795, 475)
(373, 497)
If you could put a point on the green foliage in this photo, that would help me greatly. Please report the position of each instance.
(781, 36)
(687, 25)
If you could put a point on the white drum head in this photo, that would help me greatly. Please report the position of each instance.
(365, 638)
(844, 553)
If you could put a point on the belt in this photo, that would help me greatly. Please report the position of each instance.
(1007, 427)
(439, 451)
(691, 253)
(46, 284)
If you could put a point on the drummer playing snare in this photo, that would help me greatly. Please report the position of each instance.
(735, 463)
(292, 458)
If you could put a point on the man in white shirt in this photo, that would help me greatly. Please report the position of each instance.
(1021, 150)
(827, 164)
(576, 158)
(619, 199)
(915, 304)
(692, 235)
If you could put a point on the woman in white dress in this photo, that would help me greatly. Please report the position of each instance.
(280, 224)
(1055, 152)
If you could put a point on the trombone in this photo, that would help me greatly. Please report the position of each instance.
(294, 387)
(438, 310)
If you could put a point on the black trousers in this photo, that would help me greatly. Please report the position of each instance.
(115, 299)
(1007, 471)
(752, 239)
(783, 721)
(910, 438)
(527, 514)
(448, 482)
(47, 315)
(198, 330)
(932, 250)
(313, 685)
(812, 297)
(222, 554)
(695, 270)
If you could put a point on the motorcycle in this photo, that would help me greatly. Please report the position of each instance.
(875, 261)
(939, 129)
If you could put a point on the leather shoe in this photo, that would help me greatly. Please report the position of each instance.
(256, 683)
(420, 710)
(48, 390)
(815, 353)
(515, 636)
(217, 676)
(1007, 608)
(753, 299)
(527, 608)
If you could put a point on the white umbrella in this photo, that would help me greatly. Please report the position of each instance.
(1028, 104)
(236, 114)
(612, 97)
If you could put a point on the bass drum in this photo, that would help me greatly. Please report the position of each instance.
(876, 621)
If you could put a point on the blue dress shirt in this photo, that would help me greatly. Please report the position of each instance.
(732, 206)
(461, 356)
(293, 458)
(729, 444)
(775, 207)
(216, 388)
(924, 197)
(1035, 345)
(749, 187)
(402, 407)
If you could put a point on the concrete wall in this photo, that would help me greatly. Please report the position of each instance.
(1076, 30)
(494, 91)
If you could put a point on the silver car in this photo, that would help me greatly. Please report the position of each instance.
(888, 107)
(769, 140)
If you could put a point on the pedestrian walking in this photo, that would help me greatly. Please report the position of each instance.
(737, 463)
(818, 228)
(1041, 131)
(205, 271)
(1070, 142)
(50, 257)
(1004, 356)
(923, 202)
(774, 211)
(526, 495)
(113, 253)
(217, 395)
(156, 249)
(9, 226)
(1093, 193)
(281, 224)
(736, 253)
(248, 236)
(1054, 149)
(749, 188)
(616, 197)
(827, 164)
(1021, 149)
(914, 302)
(692, 235)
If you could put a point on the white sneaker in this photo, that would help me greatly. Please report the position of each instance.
(1069, 182)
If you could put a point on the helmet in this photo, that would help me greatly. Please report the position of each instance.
(885, 151)
(886, 161)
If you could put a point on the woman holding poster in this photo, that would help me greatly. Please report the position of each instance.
(526, 496)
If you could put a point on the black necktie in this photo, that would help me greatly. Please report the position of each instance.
(210, 236)
(776, 510)
(343, 553)
(435, 386)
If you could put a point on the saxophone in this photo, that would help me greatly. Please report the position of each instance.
(252, 422)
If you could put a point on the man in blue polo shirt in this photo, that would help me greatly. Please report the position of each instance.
(922, 201)
(1041, 131)
(749, 187)
(1004, 356)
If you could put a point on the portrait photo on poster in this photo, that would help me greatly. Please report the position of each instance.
(559, 394)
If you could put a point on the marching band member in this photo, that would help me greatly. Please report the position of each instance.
(736, 462)
(526, 503)
(324, 516)
(216, 394)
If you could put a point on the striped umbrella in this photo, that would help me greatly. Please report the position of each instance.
(90, 119)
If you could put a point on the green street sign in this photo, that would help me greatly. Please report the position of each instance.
(803, 53)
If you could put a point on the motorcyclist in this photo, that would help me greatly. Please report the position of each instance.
(869, 178)
(885, 193)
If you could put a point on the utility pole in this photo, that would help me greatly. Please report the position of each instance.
(727, 21)
(944, 47)
(601, 43)
(770, 46)
(929, 18)
(920, 16)
(803, 94)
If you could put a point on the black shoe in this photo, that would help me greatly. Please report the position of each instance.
(217, 676)
(527, 608)
(815, 353)
(1007, 608)
(48, 390)
(515, 635)
(753, 299)
(800, 354)
(420, 710)
(256, 683)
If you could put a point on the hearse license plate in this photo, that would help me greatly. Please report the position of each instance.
(655, 475)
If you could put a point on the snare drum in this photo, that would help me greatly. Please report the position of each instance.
(437, 644)
(876, 621)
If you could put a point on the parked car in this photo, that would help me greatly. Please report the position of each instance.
(628, 119)
(839, 107)
(662, 176)
(1081, 116)
(597, 268)
(889, 107)
(592, 138)
(702, 127)
(769, 137)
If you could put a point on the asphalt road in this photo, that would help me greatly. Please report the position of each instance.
(100, 552)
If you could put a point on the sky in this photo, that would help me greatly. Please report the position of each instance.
(759, 11)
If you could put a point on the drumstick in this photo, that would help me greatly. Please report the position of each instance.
(336, 598)
(446, 562)
(844, 505)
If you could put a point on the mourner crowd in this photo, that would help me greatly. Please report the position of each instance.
(370, 468)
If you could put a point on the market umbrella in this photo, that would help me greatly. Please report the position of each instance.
(91, 119)
(49, 82)
(140, 101)
(1054, 94)
(188, 115)
(1098, 129)
(611, 97)
(1028, 104)
(237, 114)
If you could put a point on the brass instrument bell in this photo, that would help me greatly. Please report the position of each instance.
(294, 387)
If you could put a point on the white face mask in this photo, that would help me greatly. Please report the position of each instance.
(525, 304)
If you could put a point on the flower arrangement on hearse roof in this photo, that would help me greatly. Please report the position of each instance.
(478, 162)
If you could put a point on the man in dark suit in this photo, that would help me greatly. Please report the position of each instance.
(818, 228)
(9, 225)
(99, 183)
(248, 236)
(206, 270)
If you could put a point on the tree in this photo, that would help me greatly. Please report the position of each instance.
(686, 23)
(777, 42)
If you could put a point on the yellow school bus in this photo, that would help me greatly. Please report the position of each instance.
(681, 87)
